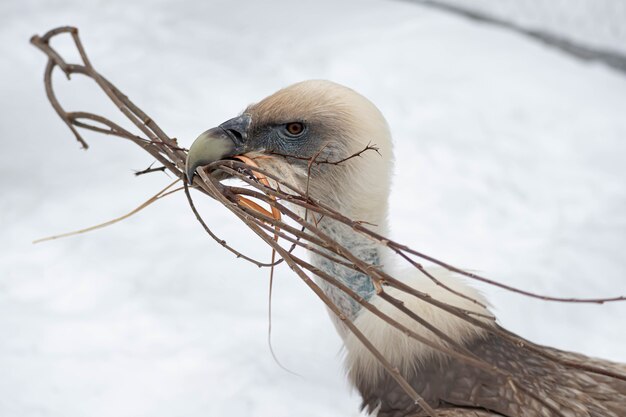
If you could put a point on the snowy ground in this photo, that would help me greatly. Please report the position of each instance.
(510, 160)
(595, 23)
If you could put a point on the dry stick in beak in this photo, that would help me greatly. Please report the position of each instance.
(251, 204)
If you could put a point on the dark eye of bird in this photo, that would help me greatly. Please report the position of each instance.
(294, 128)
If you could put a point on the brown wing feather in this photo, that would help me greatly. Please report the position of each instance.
(538, 386)
(460, 412)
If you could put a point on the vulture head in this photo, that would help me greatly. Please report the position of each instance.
(311, 119)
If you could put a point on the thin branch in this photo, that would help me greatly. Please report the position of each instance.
(314, 160)
(222, 242)
(150, 169)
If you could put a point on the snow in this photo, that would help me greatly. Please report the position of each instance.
(596, 23)
(510, 161)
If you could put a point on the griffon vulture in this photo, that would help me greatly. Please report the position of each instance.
(323, 117)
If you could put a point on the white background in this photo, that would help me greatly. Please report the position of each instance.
(510, 160)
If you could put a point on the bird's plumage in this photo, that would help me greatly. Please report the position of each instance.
(542, 387)
(338, 122)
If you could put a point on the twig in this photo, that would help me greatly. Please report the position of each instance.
(314, 160)
(150, 169)
(222, 242)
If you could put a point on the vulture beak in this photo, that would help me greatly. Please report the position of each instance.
(224, 141)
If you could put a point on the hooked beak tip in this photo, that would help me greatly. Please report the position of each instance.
(210, 146)
(221, 142)
(189, 174)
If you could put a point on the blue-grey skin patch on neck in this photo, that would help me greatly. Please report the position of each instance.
(360, 283)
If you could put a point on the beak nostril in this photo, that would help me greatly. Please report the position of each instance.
(236, 129)
(235, 134)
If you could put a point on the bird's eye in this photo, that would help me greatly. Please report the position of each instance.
(294, 129)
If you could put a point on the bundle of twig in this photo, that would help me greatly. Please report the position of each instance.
(283, 224)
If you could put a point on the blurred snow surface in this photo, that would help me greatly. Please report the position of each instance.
(595, 23)
(510, 160)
